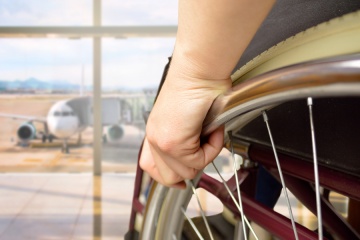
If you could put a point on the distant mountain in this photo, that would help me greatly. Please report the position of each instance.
(36, 84)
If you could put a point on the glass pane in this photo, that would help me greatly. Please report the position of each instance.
(132, 69)
(45, 13)
(41, 81)
(139, 12)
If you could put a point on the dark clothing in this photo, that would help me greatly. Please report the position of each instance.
(289, 17)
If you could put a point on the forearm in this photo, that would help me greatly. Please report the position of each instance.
(211, 37)
(212, 34)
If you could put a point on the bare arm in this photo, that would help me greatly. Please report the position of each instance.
(212, 35)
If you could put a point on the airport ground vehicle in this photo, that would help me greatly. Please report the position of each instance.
(310, 81)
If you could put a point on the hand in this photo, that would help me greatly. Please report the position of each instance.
(210, 39)
(173, 149)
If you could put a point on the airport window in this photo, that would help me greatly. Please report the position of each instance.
(45, 13)
(131, 71)
(36, 75)
(139, 12)
(48, 77)
(134, 64)
(50, 65)
(42, 72)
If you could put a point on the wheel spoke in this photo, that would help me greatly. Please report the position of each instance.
(235, 202)
(316, 172)
(192, 224)
(236, 167)
(266, 120)
(201, 211)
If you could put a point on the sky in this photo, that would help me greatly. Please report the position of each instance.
(129, 63)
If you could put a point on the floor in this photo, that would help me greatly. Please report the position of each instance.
(65, 206)
(53, 206)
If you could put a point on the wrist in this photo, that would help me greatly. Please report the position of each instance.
(189, 62)
(190, 80)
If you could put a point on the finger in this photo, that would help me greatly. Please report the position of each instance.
(210, 148)
(213, 146)
(148, 164)
(154, 174)
(187, 164)
(171, 169)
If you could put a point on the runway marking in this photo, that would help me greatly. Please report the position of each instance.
(55, 160)
(27, 165)
(32, 160)
(77, 160)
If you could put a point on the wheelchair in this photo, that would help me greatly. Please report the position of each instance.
(294, 112)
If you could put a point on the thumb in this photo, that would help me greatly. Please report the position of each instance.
(213, 146)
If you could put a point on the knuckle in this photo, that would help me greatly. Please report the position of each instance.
(143, 165)
(191, 174)
(165, 144)
(198, 165)
(171, 180)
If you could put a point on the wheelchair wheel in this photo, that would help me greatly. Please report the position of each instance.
(300, 122)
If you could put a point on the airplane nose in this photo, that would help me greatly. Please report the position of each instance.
(62, 129)
(59, 130)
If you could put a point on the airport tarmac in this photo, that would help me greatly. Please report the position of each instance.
(39, 157)
(119, 157)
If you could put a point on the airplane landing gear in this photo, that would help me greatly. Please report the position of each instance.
(48, 137)
(65, 148)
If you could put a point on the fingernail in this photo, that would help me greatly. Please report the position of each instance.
(179, 185)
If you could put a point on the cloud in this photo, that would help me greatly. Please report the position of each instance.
(79, 12)
(50, 13)
(126, 62)
(131, 62)
(140, 12)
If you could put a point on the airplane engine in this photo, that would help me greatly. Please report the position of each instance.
(26, 131)
(114, 133)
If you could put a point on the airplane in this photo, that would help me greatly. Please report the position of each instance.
(69, 117)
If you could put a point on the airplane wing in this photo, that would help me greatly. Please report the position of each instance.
(22, 117)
